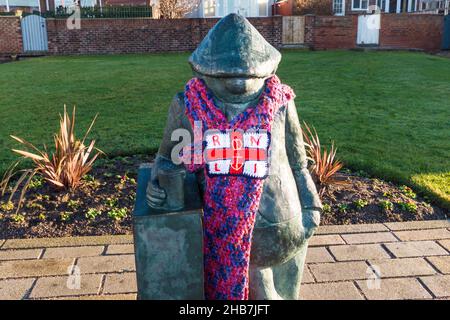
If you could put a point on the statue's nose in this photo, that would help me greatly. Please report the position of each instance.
(237, 85)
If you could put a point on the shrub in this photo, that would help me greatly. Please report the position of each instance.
(92, 213)
(7, 206)
(117, 214)
(18, 218)
(408, 206)
(36, 182)
(63, 168)
(64, 216)
(71, 160)
(324, 163)
(73, 204)
(342, 207)
(407, 191)
(360, 203)
(386, 205)
(326, 208)
(112, 202)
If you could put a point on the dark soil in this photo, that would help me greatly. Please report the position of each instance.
(55, 213)
(360, 199)
(112, 185)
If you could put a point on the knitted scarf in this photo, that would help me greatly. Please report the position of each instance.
(237, 152)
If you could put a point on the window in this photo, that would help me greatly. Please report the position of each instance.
(381, 5)
(338, 7)
(209, 8)
(262, 7)
(360, 4)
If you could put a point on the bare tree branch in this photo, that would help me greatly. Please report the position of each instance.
(172, 9)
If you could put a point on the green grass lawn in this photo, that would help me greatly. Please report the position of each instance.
(388, 112)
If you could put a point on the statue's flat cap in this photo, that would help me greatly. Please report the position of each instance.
(232, 48)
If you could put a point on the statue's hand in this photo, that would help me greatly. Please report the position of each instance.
(156, 196)
(311, 220)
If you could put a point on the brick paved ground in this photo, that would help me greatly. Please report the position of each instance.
(408, 260)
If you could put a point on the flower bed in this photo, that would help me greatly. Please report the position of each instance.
(103, 204)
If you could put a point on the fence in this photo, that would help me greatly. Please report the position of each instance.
(103, 12)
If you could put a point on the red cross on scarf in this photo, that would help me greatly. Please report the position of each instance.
(232, 153)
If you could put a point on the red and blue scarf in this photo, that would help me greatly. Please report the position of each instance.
(236, 164)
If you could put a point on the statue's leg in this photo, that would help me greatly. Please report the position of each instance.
(288, 276)
(261, 284)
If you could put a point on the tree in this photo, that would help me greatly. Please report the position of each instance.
(172, 9)
(318, 7)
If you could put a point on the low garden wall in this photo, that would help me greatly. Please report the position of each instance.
(402, 31)
(331, 32)
(10, 35)
(418, 31)
(97, 36)
(140, 35)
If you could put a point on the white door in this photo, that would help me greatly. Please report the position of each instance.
(368, 29)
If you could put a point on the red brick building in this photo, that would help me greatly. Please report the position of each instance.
(345, 7)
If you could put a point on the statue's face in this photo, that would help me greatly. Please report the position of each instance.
(235, 89)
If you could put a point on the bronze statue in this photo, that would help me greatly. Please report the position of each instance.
(234, 61)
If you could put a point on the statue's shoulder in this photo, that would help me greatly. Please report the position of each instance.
(178, 102)
(177, 112)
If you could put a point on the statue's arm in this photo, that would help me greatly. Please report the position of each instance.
(156, 195)
(174, 121)
(295, 147)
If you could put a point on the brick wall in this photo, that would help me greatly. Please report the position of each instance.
(98, 36)
(10, 35)
(400, 31)
(331, 32)
(417, 31)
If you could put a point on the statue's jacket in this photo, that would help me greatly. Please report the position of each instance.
(287, 189)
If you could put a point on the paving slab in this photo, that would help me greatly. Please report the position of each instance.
(428, 234)
(20, 254)
(120, 249)
(394, 289)
(330, 291)
(318, 254)
(416, 225)
(445, 244)
(104, 264)
(129, 296)
(35, 268)
(307, 277)
(73, 252)
(15, 289)
(441, 263)
(439, 285)
(415, 249)
(355, 228)
(66, 242)
(359, 252)
(405, 267)
(325, 240)
(337, 271)
(372, 237)
(120, 283)
(66, 286)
